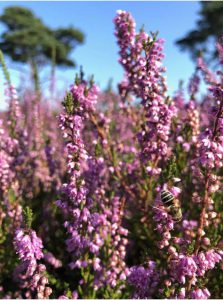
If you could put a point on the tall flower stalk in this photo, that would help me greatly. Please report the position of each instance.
(30, 272)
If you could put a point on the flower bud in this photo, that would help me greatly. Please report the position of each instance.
(201, 232)
(206, 241)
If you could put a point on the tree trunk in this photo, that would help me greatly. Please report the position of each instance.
(35, 76)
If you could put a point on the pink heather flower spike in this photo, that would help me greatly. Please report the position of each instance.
(30, 273)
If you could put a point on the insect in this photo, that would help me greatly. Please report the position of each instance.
(172, 205)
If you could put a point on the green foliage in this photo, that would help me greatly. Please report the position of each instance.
(28, 216)
(68, 103)
(4, 68)
(170, 171)
(190, 248)
(28, 40)
(209, 25)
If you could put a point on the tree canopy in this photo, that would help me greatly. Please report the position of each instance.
(209, 26)
(28, 40)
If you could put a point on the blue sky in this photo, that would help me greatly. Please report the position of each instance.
(99, 54)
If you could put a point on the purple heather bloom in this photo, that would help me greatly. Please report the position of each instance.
(30, 273)
(200, 294)
(144, 280)
(141, 57)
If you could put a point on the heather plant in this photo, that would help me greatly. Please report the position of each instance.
(114, 194)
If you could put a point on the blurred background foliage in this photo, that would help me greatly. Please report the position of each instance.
(28, 40)
(209, 28)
